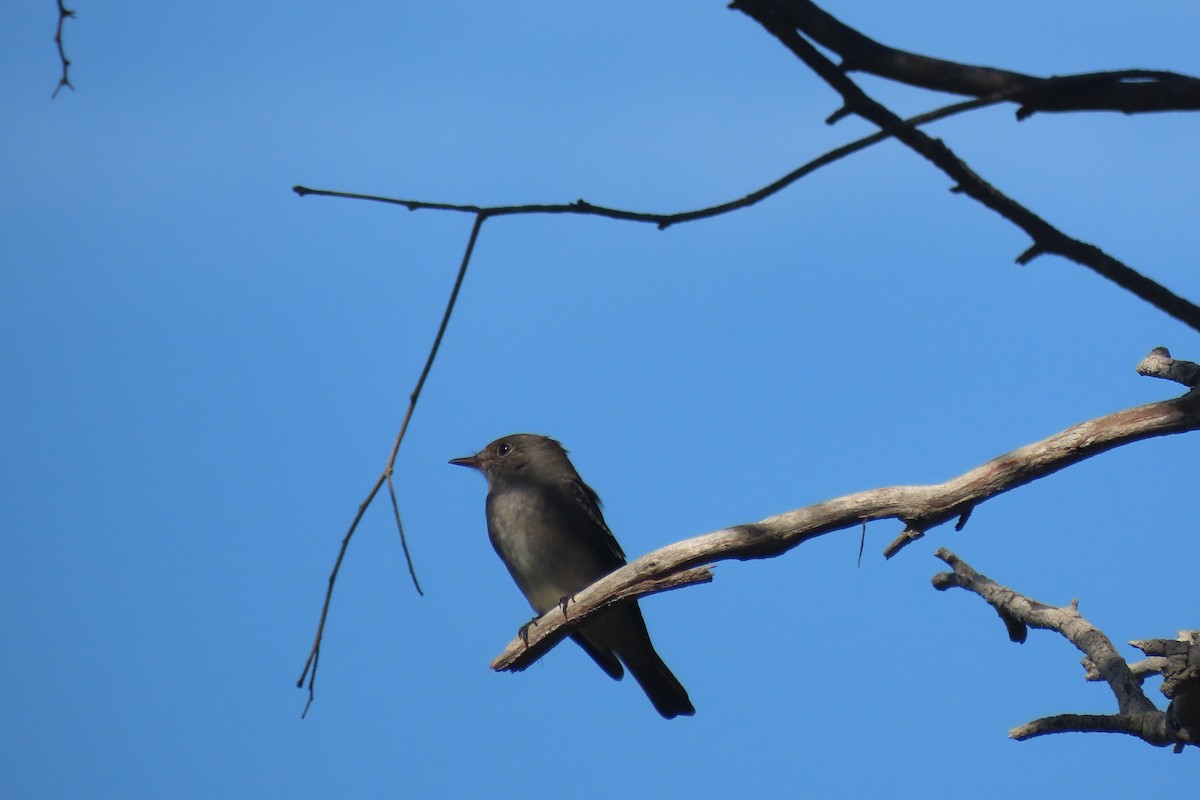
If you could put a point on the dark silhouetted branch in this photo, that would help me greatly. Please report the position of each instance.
(1127, 91)
(310, 666)
(63, 14)
(665, 220)
(773, 15)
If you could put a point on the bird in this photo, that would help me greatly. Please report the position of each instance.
(546, 525)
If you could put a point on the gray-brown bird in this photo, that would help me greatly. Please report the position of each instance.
(546, 526)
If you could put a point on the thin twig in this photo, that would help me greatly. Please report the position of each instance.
(386, 475)
(403, 541)
(65, 80)
(664, 221)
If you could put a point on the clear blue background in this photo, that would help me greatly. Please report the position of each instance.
(203, 374)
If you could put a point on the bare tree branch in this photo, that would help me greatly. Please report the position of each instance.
(63, 14)
(1150, 727)
(1141, 670)
(1136, 715)
(1178, 661)
(779, 19)
(919, 507)
(537, 639)
(1159, 364)
(310, 666)
(1128, 91)
(665, 220)
(1065, 620)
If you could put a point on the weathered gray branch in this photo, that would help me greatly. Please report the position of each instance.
(1150, 727)
(1178, 661)
(919, 507)
(1159, 364)
(537, 638)
(1065, 620)
(1136, 715)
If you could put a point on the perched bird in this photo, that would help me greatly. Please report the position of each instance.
(546, 526)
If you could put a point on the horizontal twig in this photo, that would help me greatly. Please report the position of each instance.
(660, 219)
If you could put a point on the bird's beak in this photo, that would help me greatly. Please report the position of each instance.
(467, 461)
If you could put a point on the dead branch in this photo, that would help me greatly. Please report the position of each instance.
(537, 638)
(1178, 661)
(660, 219)
(1159, 364)
(782, 19)
(1127, 91)
(1136, 714)
(918, 507)
(64, 14)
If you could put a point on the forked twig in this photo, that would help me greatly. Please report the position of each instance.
(310, 666)
(665, 220)
(63, 14)
(1136, 714)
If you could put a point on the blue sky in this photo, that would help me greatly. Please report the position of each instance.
(204, 373)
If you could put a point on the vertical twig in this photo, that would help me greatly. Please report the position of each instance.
(386, 476)
(63, 14)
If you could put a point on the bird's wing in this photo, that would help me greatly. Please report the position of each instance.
(589, 501)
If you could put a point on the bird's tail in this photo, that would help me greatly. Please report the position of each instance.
(621, 634)
(662, 687)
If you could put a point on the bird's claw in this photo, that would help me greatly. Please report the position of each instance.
(523, 632)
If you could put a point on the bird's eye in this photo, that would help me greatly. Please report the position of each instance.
(504, 449)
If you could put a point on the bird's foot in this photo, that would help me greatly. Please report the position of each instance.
(524, 631)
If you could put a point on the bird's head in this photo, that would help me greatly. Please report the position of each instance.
(516, 454)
